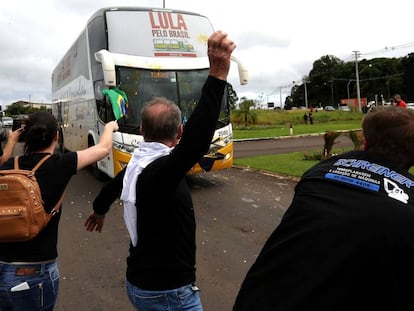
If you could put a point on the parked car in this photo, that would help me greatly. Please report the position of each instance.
(3, 134)
(344, 108)
(410, 105)
(329, 108)
(7, 121)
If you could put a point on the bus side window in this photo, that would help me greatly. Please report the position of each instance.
(103, 103)
(105, 110)
(101, 109)
(109, 114)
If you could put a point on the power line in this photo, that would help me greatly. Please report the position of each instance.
(383, 77)
(354, 58)
(380, 51)
(390, 49)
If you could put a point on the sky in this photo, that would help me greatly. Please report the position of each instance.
(277, 41)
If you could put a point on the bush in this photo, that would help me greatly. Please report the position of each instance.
(329, 138)
(356, 137)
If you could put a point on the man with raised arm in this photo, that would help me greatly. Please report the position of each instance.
(158, 208)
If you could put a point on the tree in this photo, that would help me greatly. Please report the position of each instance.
(329, 138)
(323, 86)
(356, 137)
(245, 114)
(408, 63)
(16, 109)
(288, 103)
(332, 79)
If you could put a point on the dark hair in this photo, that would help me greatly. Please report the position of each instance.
(39, 132)
(160, 119)
(389, 131)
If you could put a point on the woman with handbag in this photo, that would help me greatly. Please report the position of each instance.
(29, 275)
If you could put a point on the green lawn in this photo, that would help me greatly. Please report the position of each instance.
(299, 129)
(276, 124)
(291, 164)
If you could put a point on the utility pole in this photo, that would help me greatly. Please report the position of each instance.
(347, 88)
(357, 80)
(332, 93)
(280, 92)
(280, 97)
(305, 80)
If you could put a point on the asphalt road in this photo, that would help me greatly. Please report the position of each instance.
(236, 210)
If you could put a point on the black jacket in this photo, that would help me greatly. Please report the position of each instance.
(164, 257)
(345, 243)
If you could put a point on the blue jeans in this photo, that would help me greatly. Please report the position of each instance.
(43, 281)
(186, 298)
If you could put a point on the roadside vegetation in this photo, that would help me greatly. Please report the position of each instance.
(330, 82)
(277, 123)
(270, 123)
(292, 164)
(296, 163)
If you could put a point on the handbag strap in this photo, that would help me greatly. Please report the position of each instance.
(57, 206)
(34, 169)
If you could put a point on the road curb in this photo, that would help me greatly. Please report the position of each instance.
(292, 136)
(274, 174)
(268, 173)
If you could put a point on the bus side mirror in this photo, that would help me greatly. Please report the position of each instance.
(243, 73)
(108, 66)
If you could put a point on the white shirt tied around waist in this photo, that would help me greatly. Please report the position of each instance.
(146, 153)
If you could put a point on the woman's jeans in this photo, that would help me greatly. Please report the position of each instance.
(186, 298)
(43, 285)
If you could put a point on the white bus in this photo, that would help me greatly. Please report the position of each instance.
(141, 52)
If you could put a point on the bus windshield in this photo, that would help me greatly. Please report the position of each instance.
(182, 87)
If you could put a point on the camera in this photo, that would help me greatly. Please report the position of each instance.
(17, 124)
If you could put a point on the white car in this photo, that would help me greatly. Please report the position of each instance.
(344, 108)
(410, 105)
(7, 121)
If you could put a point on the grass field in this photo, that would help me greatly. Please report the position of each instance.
(277, 123)
(291, 164)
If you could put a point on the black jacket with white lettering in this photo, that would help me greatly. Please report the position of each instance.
(345, 243)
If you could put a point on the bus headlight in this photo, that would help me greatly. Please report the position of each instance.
(220, 142)
(227, 156)
(123, 148)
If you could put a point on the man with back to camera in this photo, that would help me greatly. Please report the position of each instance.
(158, 208)
(347, 240)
